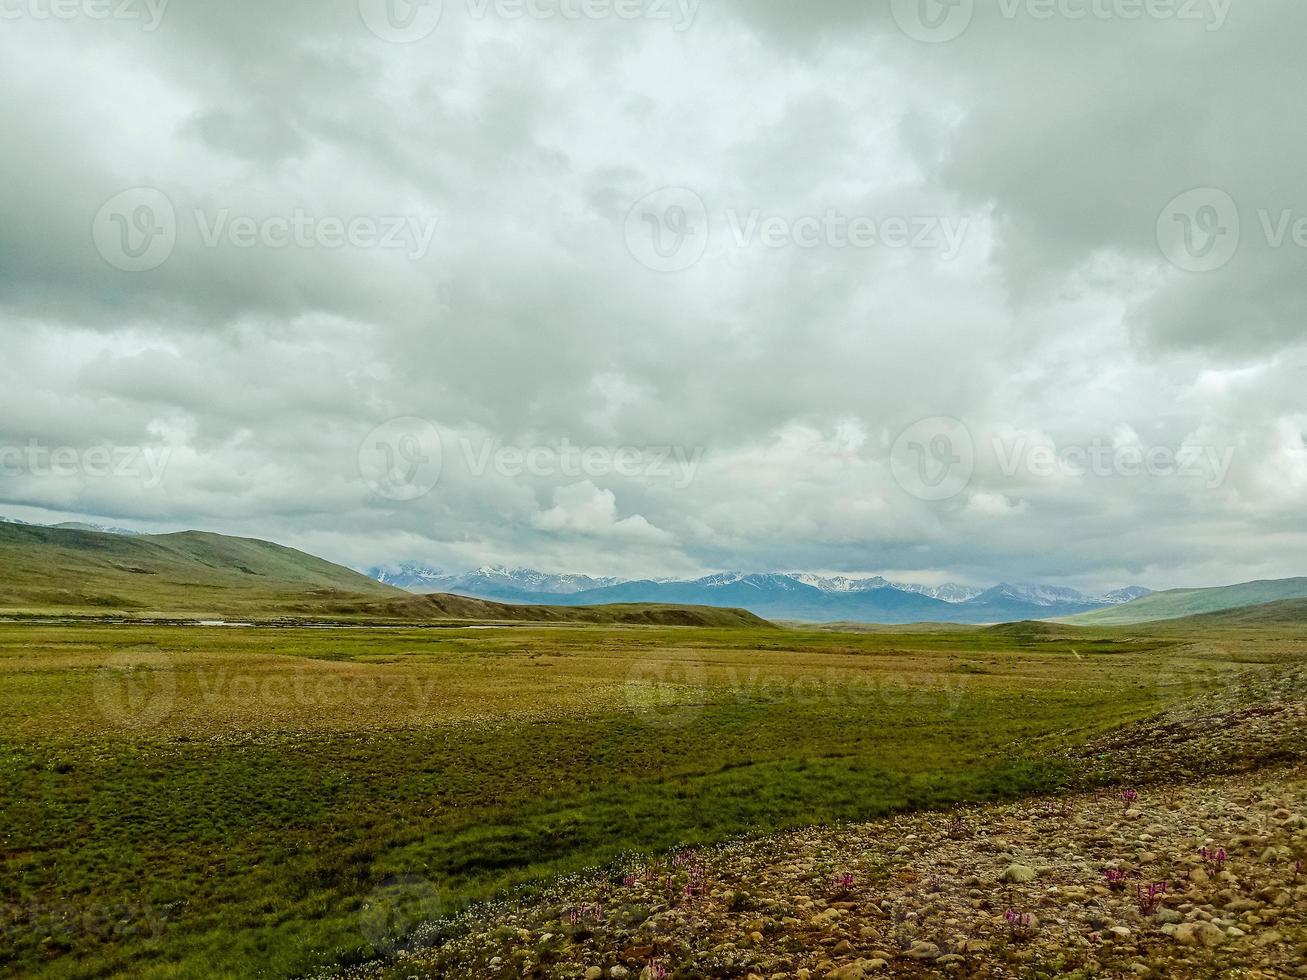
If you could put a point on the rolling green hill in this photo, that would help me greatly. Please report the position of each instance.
(455, 607)
(1285, 612)
(45, 569)
(194, 574)
(1179, 603)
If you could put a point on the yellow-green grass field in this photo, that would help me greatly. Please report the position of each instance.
(184, 801)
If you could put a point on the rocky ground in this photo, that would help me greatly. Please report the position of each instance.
(1186, 859)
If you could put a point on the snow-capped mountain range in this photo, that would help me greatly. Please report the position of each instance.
(419, 578)
(799, 595)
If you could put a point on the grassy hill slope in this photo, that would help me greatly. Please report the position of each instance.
(1286, 612)
(440, 606)
(194, 574)
(1177, 603)
(45, 569)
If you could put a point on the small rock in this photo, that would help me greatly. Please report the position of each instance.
(923, 951)
(1019, 873)
(1199, 934)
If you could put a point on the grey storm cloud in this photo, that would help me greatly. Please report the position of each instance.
(789, 241)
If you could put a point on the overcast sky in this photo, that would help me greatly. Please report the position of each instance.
(1006, 290)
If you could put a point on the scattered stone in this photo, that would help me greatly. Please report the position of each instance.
(1199, 934)
(923, 951)
(932, 890)
(1019, 873)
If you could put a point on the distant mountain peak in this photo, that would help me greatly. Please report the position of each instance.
(1128, 594)
(841, 583)
(1040, 595)
(793, 595)
(488, 581)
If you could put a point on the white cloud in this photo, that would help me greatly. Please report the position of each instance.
(529, 322)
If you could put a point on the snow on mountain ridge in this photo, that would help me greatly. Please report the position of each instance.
(840, 583)
(498, 578)
(948, 592)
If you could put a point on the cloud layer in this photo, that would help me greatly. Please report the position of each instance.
(981, 291)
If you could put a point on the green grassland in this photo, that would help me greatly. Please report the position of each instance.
(182, 801)
(191, 572)
(1177, 603)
